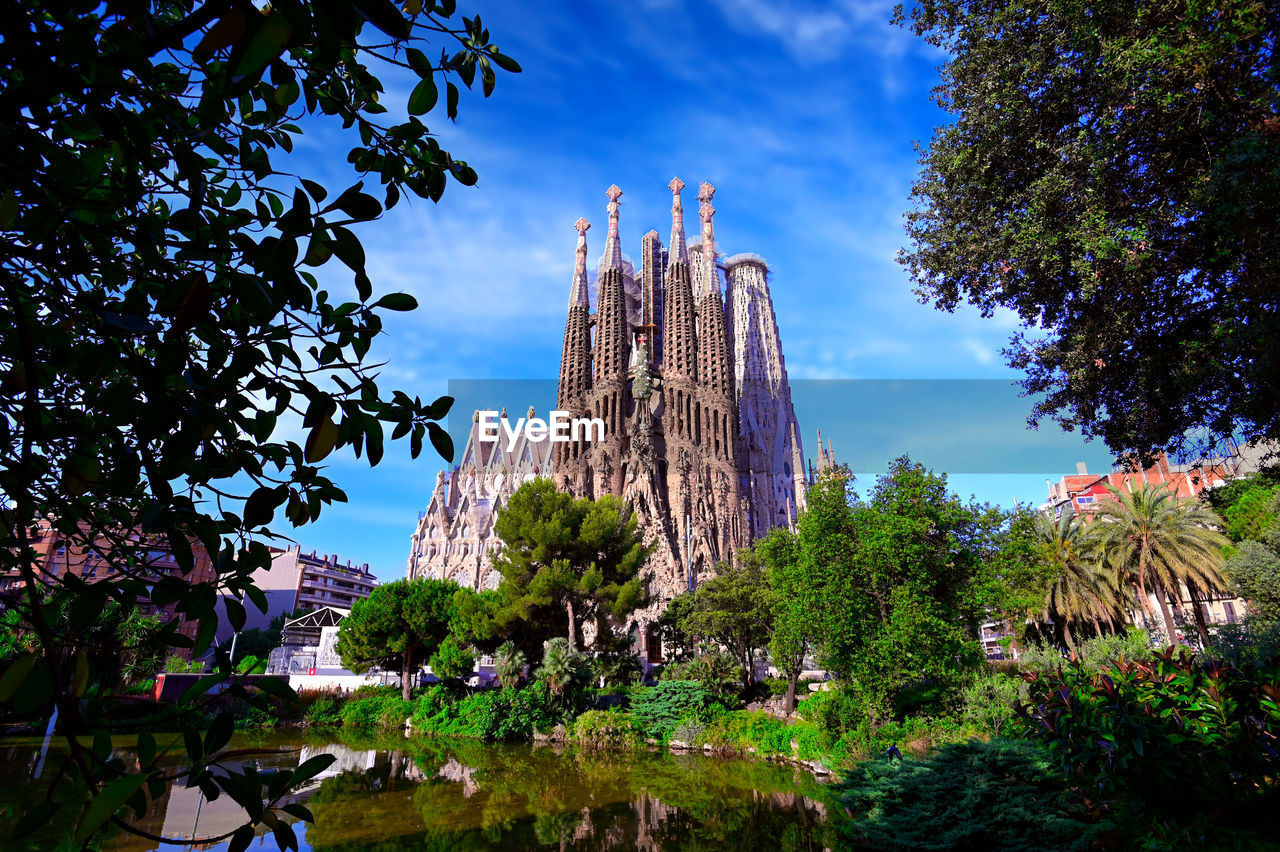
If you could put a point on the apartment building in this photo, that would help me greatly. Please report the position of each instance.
(308, 581)
(57, 556)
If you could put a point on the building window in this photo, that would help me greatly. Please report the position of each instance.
(1229, 609)
(1083, 499)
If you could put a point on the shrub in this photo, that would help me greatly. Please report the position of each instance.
(565, 673)
(916, 735)
(177, 665)
(510, 664)
(324, 711)
(383, 711)
(499, 714)
(989, 702)
(744, 729)
(718, 673)
(1002, 794)
(1094, 654)
(688, 732)
(657, 710)
(1165, 738)
(603, 729)
(452, 660)
(836, 710)
(255, 716)
(612, 669)
(1250, 641)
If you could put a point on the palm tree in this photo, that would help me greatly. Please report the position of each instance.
(1080, 589)
(1157, 542)
(510, 664)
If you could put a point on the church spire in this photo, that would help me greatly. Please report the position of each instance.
(679, 251)
(613, 246)
(578, 291)
(705, 193)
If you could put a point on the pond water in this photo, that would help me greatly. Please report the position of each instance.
(387, 793)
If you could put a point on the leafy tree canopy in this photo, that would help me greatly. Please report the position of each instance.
(398, 627)
(564, 562)
(163, 330)
(735, 610)
(1112, 175)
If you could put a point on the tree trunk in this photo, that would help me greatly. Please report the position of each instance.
(405, 671)
(1169, 627)
(1197, 610)
(1066, 634)
(573, 638)
(789, 703)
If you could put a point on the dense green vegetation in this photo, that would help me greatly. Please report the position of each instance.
(1110, 173)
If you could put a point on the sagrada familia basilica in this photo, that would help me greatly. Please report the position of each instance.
(682, 361)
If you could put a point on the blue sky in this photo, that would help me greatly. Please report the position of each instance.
(803, 115)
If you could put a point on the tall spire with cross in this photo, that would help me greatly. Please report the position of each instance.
(579, 293)
(612, 245)
(679, 251)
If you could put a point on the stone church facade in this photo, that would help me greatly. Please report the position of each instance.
(683, 362)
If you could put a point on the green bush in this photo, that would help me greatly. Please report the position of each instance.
(1164, 739)
(989, 701)
(1250, 641)
(324, 711)
(1001, 794)
(382, 711)
(1094, 654)
(256, 716)
(718, 673)
(604, 729)
(745, 729)
(496, 714)
(616, 669)
(657, 709)
(915, 735)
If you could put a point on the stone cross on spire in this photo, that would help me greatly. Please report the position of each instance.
(612, 246)
(679, 251)
(578, 292)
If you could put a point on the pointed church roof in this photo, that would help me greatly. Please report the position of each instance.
(579, 294)
(612, 245)
(705, 211)
(679, 248)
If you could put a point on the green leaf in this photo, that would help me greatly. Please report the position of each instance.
(418, 62)
(240, 841)
(219, 733)
(235, 612)
(267, 43)
(451, 101)
(260, 507)
(107, 802)
(506, 63)
(277, 687)
(80, 674)
(16, 675)
(423, 97)
(201, 686)
(321, 440)
(441, 441)
(38, 817)
(386, 16)
(397, 302)
(312, 767)
(146, 749)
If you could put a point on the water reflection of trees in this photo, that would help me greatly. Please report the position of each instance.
(429, 794)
